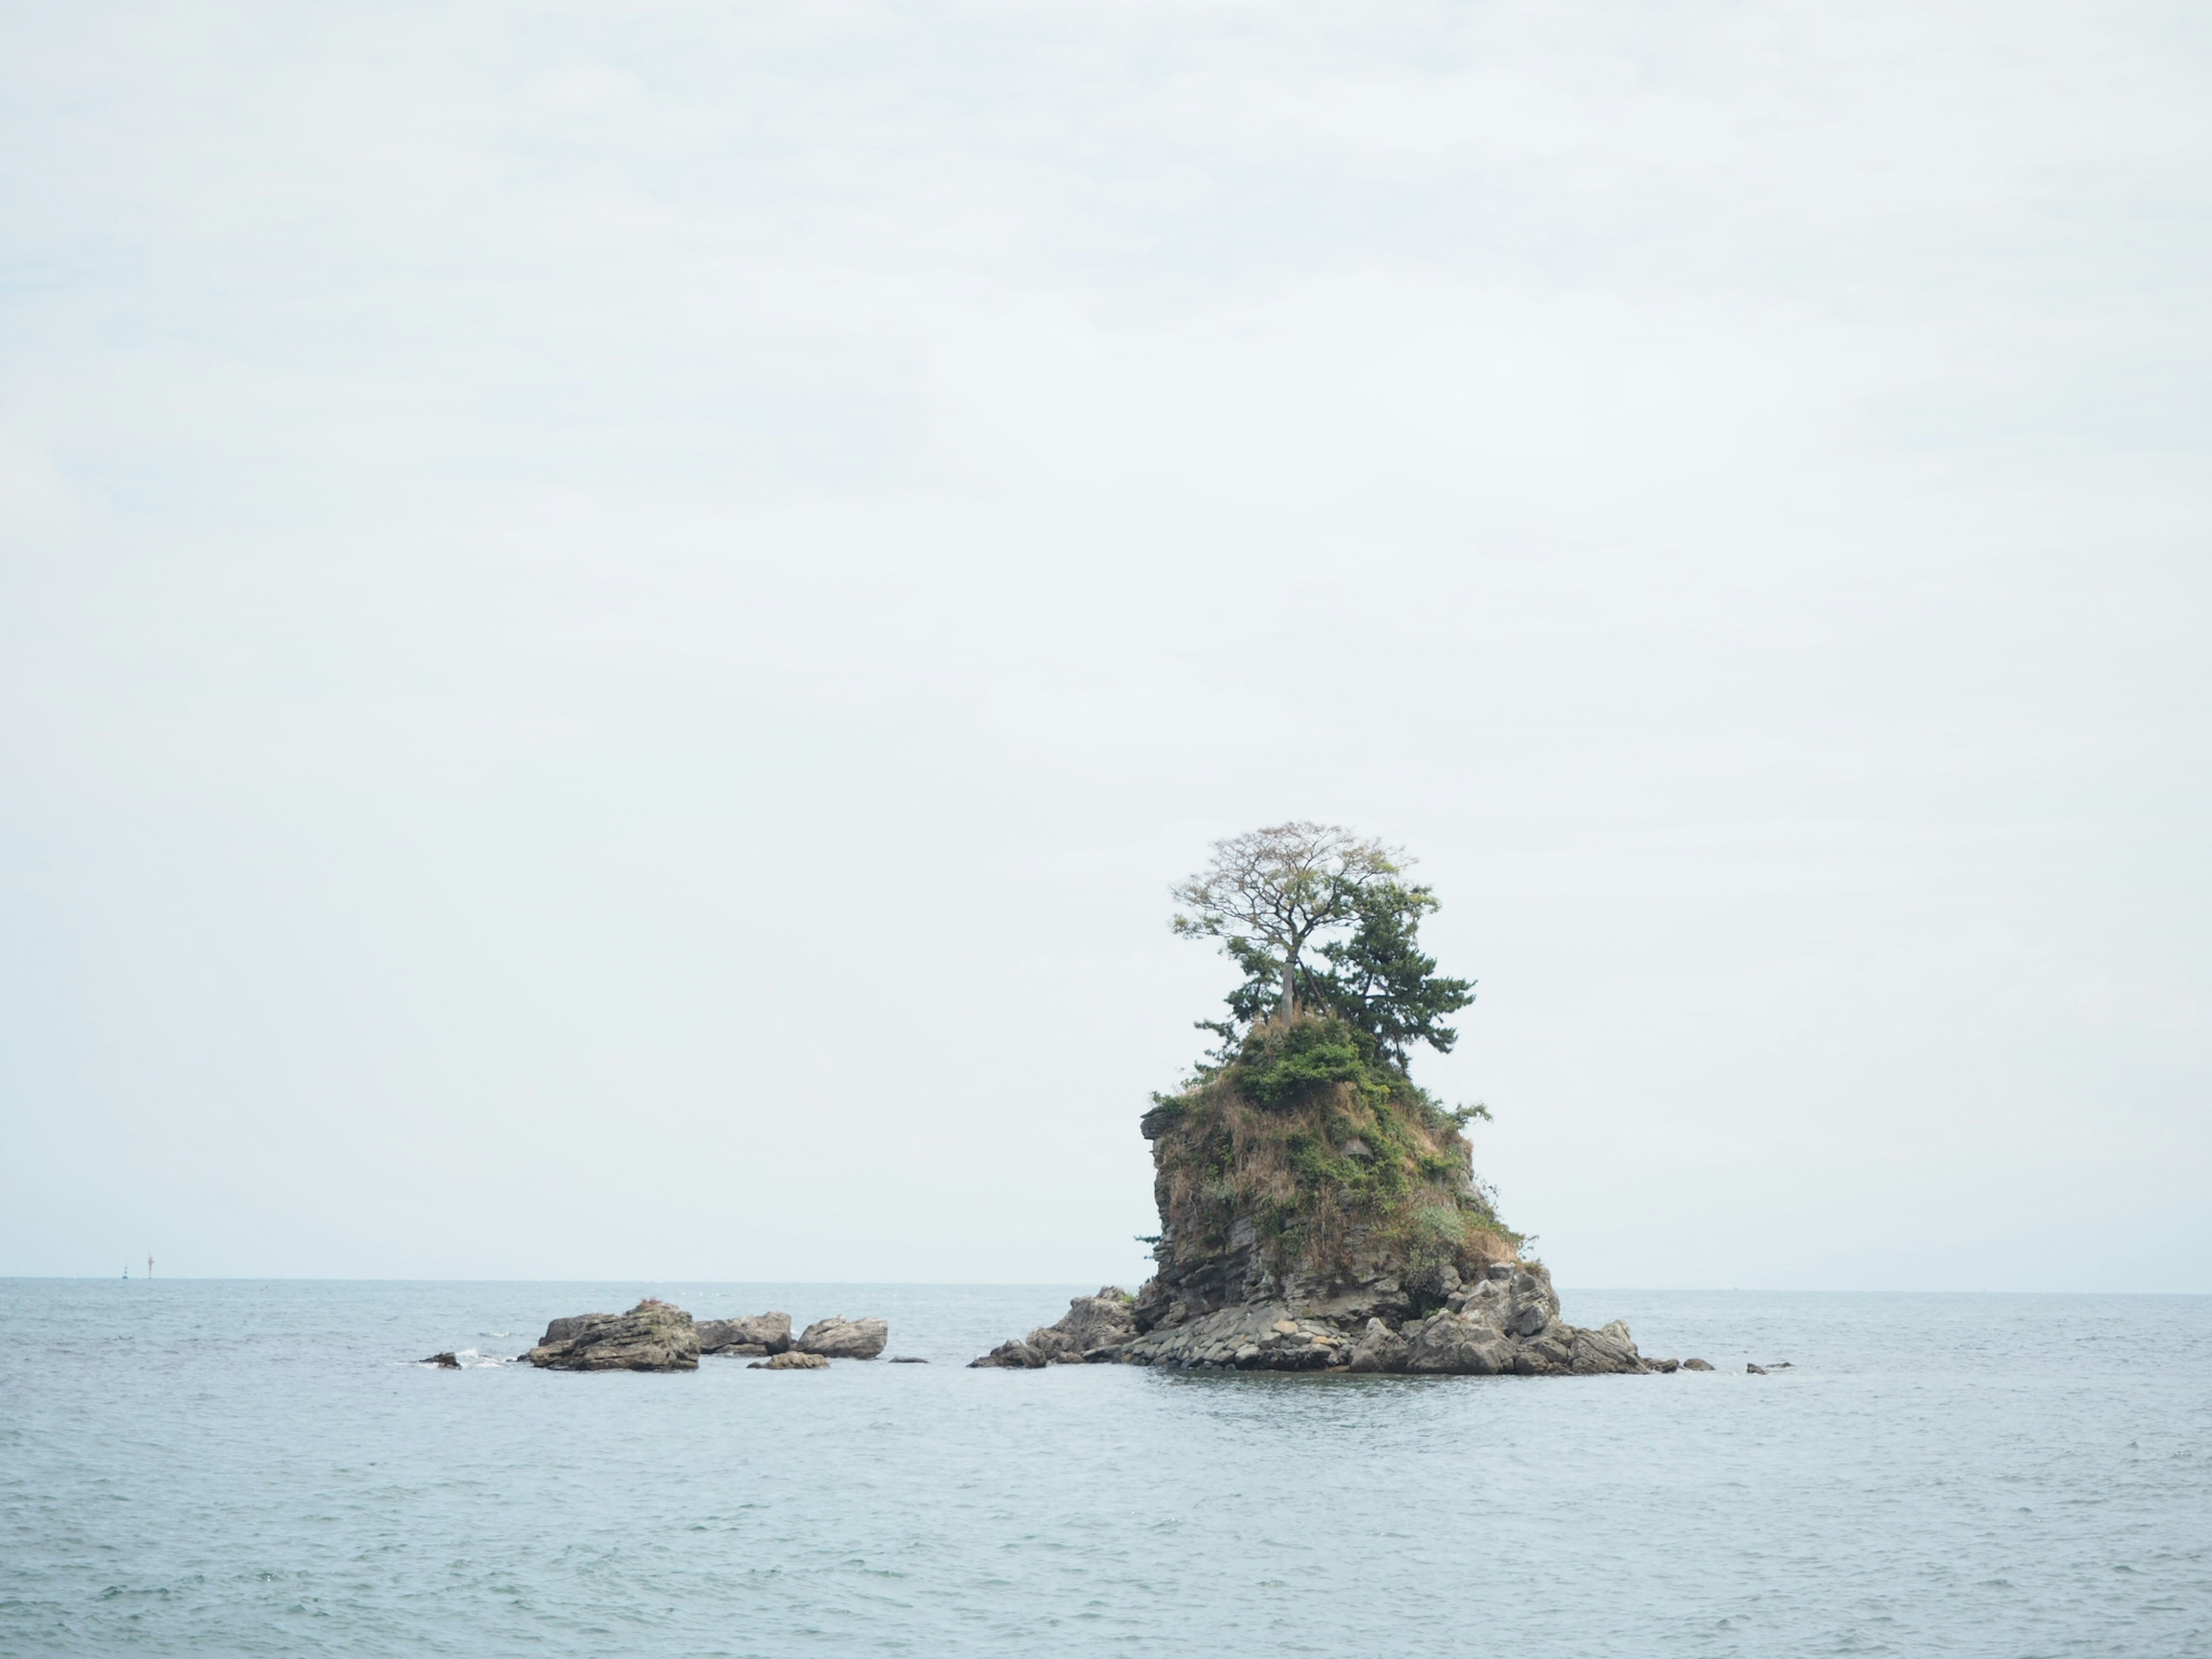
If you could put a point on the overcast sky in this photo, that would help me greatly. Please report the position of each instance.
(615, 619)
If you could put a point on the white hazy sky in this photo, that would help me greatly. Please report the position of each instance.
(614, 619)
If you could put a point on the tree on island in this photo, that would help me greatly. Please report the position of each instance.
(1304, 1134)
(1269, 891)
(1270, 894)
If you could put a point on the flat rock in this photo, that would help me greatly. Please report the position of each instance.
(654, 1336)
(791, 1360)
(839, 1338)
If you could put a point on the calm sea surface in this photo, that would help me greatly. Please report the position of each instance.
(223, 1467)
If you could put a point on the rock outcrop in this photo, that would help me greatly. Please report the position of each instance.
(791, 1360)
(1094, 1327)
(1319, 1212)
(652, 1336)
(764, 1333)
(1505, 1323)
(838, 1338)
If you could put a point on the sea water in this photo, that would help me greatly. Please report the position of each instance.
(215, 1467)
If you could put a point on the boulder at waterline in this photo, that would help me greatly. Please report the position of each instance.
(1094, 1327)
(654, 1336)
(839, 1338)
(762, 1334)
(791, 1360)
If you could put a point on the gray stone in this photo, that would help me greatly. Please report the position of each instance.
(839, 1338)
(652, 1336)
(791, 1360)
(1451, 1345)
(1695, 1365)
(1094, 1329)
(1012, 1356)
(1527, 1319)
(1502, 1317)
(1608, 1351)
(768, 1333)
(1380, 1349)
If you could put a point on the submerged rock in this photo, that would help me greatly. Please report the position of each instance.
(444, 1362)
(791, 1360)
(762, 1334)
(654, 1336)
(839, 1338)
(1696, 1365)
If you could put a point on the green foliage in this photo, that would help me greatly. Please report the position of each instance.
(1279, 889)
(1384, 984)
(1284, 1063)
(1304, 1122)
(1313, 1142)
(1378, 982)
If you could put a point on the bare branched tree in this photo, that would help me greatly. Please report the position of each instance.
(1279, 887)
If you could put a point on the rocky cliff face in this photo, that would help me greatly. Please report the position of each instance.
(1320, 1213)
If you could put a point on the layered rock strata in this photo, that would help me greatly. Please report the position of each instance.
(839, 1338)
(652, 1336)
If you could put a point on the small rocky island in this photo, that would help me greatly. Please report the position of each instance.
(1319, 1211)
(658, 1336)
